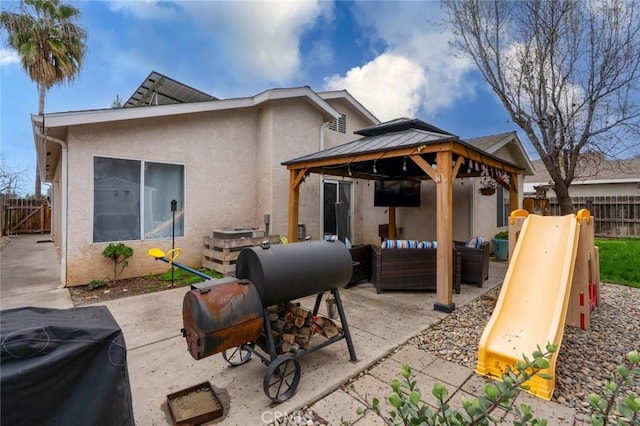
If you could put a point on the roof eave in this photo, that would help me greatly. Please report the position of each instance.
(75, 118)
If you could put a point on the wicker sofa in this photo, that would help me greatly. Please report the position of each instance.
(474, 262)
(408, 269)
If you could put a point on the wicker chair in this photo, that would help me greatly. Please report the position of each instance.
(361, 256)
(408, 269)
(475, 262)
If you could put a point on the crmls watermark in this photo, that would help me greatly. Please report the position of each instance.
(271, 416)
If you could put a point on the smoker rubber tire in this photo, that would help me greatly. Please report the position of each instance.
(282, 378)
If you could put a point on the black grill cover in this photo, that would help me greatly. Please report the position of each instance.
(63, 367)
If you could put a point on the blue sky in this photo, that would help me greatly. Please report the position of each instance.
(393, 57)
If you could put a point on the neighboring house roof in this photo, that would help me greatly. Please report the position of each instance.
(158, 89)
(493, 143)
(591, 171)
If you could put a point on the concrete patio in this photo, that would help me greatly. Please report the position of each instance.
(159, 364)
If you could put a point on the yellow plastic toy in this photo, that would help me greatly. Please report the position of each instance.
(552, 268)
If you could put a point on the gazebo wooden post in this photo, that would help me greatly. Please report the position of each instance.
(444, 220)
(392, 223)
(513, 192)
(295, 179)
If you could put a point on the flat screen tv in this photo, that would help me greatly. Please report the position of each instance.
(397, 193)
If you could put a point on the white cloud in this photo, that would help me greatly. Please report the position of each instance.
(436, 78)
(8, 57)
(390, 86)
(261, 39)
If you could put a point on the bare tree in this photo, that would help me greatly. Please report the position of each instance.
(567, 71)
(10, 180)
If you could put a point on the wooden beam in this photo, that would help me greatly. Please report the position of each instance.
(426, 167)
(295, 178)
(456, 167)
(370, 156)
(513, 192)
(444, 220)
(484, 159)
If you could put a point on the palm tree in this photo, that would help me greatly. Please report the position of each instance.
(51, 46)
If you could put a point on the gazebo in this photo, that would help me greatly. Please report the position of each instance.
(408, 149)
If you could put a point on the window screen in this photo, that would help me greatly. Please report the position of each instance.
(131, 195)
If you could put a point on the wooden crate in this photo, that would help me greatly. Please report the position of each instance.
(222, 254)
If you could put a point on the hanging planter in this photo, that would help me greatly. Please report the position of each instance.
(487, 186)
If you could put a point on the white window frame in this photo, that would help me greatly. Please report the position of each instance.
(142, 195)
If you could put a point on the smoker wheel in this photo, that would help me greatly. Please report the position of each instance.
(239, 355)
(282, 378)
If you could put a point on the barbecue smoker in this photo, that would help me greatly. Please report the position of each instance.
(252, 314)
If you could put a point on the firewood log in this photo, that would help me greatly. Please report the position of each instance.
(299, 322)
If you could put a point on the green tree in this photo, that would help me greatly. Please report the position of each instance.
(51, 45)
(567, 72)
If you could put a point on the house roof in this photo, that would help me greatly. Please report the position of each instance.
(493, 143)
(168, 98)
(337, 94)
(593, 170)
(382, 153)
(158, 89)
(72, 118)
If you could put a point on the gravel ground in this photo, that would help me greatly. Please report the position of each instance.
(586, 358)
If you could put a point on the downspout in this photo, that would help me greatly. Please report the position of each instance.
(63, 208)
(321, 227)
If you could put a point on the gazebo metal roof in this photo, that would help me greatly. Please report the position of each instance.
(383, 152)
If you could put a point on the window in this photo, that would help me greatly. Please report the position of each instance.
(502, 197)
(339, 125)
(132, 198)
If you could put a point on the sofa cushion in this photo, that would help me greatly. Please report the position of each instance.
(475, 242)
(391, 244)
(411, 244)
(428, 244)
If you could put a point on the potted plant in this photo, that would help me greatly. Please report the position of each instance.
(487, 186)
(500, 243)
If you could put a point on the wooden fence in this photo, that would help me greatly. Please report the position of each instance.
(25, 216)
(615, 216)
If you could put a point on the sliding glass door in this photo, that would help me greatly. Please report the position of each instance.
(337, 210)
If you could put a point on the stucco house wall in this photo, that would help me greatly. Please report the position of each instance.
(232, 174)
(213, 189)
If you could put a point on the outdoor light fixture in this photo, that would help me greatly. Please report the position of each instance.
(404, 165)
(349, 167)
(375, 170)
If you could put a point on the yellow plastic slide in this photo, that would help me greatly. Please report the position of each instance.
(532, 306)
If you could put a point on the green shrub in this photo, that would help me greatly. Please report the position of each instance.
(94, 284)
(119, 254)
(502, 235)
(405, 397)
